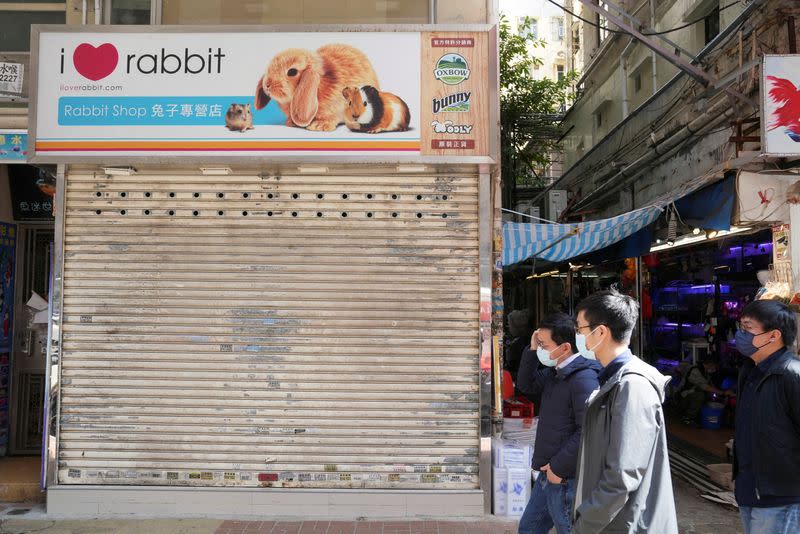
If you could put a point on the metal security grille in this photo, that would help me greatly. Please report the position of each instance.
(295, 331)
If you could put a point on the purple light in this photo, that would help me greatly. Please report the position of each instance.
(750, 249)
(697, 290)
(695, 329)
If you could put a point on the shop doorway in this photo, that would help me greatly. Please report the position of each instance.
(30, 339)
(696, 295)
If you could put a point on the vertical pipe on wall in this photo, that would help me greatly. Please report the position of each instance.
(97, 11)
(84, 8)
(623, 72)
(653, 59)
(53, 365)
(489, 357)
(570, 291)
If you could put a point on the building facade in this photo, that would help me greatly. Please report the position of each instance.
(291, 326)
(632, 98)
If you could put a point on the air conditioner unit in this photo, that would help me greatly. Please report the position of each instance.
(556, 204)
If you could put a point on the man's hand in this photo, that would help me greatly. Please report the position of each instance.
(551, 477)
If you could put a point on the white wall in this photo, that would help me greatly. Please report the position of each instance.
(556, 51)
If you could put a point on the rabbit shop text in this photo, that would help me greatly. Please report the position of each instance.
(173, 63)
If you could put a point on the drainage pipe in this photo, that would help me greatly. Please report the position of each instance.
(719, 112)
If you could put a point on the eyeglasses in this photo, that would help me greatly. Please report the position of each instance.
(747, 327)
(592, 326)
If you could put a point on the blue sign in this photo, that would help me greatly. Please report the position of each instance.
(158, 110)
(13, 146)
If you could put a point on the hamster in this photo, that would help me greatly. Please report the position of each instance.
(239, 118)
(373, 111)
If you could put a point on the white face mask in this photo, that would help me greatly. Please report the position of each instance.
(544, 357)
(580, 342)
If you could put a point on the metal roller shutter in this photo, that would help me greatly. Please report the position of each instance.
(294, 330)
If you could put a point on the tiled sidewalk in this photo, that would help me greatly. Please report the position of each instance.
(367, 527)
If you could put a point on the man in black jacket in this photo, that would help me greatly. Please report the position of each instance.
(565, 382)
(767, 444)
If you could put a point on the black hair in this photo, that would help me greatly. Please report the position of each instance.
(612, 309)
(562, 329)
(773, 315)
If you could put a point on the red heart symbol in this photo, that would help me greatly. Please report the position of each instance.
(95, 63)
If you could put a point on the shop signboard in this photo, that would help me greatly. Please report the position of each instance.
(780, 100)
(13, 146)
(140, 93)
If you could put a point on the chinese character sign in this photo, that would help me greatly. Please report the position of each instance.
(364, 93)
(11, 76)
(13, 146)
(8, 238)
(32, 192)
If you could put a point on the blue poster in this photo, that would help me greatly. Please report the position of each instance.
(13, 146)
(8, 238)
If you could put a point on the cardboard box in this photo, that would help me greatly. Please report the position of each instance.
(519, 491)
(511, 491)
(722, 474)
(509, 454)
(500, 490)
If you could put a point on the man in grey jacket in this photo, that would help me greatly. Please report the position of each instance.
(623, 478)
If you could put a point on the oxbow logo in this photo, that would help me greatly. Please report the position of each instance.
(451, 69)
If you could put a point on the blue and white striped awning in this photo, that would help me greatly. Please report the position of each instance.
(560, 242)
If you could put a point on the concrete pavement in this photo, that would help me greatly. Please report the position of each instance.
(695, 516)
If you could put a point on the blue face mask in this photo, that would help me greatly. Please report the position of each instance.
(744, 343)
(544, 357)
(580, 342)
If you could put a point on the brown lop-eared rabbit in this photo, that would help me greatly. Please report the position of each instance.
(308, 85)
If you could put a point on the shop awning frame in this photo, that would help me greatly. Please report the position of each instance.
(560, 242)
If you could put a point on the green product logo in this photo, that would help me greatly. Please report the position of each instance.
(451, 69)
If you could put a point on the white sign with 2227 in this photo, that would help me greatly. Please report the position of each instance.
(11, 77)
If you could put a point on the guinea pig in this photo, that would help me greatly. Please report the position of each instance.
(239, 118)
(308, 85)
(373, 111)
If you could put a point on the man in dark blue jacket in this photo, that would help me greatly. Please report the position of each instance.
(767, 444)
(564, 380)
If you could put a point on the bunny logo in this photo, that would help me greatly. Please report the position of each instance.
(308, 86)
(95, 63)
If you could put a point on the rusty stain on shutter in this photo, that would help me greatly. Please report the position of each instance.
(246, 330)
